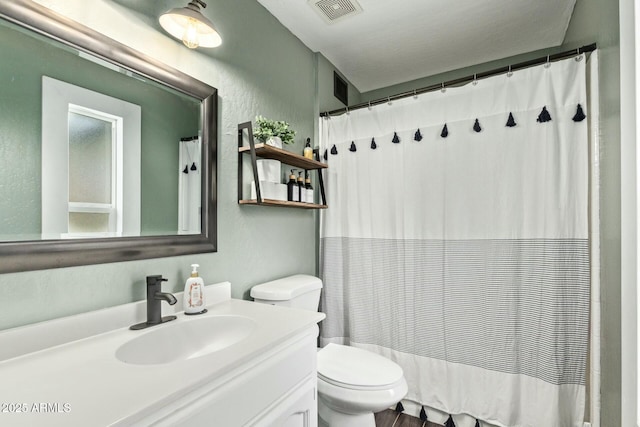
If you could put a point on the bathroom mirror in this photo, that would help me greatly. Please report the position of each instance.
(132, 174)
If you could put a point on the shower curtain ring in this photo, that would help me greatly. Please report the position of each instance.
(509, 73)
(389, 100)
(369, 106)
(415, 94)
(475, 79)
(443, 89)
(348, 111)
(578, 55)
(548, 64)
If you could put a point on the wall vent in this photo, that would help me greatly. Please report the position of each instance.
(332, 11)
(340, 89)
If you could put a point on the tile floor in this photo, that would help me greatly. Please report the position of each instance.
(390, 418)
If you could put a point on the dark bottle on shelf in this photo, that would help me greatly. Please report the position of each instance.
(301, 191)
(293, 194)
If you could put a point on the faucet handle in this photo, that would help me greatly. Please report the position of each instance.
(154, 296)
(153, 280)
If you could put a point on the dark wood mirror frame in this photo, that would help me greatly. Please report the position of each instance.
(37, 255)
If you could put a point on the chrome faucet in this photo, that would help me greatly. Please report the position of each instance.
(154, 307)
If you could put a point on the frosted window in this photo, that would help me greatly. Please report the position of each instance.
(90, 159)
(82, 222)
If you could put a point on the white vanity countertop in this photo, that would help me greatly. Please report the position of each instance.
(81, 383)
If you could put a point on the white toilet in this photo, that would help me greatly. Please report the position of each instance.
(353, 383)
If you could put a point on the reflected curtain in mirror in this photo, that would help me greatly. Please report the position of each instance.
(189, 213)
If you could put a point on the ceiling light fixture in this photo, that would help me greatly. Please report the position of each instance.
(191, 26)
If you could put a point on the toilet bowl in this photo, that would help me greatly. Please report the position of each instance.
(353, 383)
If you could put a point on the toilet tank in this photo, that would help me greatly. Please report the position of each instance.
(299, 291)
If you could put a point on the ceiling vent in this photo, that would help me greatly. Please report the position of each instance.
(332, 11)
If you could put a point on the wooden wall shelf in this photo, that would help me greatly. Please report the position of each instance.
(282, 203)
(264, 151)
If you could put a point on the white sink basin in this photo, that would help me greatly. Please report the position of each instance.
(185, 339)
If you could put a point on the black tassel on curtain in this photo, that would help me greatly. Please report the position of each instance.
(445, 131)
(544, 116)
(579, 116)
(423, 414)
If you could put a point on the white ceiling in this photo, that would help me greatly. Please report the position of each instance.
(395, 41)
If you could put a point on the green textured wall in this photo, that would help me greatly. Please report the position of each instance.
(20, 116)
(607, 27)
(259, 69)
(166, 118)
(326, 100)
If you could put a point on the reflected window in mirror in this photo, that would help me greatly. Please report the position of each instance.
(95, 174)
(91, 146)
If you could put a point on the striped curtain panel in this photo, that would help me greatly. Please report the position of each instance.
(456, 244)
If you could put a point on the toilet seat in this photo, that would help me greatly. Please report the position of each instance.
(357, 369)
(353, 384)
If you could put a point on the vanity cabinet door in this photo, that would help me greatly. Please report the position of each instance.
(274, 390)
(298, 409)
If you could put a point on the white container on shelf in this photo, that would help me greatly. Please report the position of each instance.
(269, 170)
(270, 190)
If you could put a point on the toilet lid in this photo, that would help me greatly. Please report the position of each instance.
(356, 367)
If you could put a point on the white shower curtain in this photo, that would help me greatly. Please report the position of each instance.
(462, 253)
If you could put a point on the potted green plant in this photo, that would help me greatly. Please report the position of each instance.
(273, 132)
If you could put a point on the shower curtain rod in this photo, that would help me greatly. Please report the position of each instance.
(456, 82)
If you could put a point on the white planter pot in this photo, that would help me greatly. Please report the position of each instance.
(274, 142)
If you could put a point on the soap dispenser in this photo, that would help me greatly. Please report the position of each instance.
(292, 188)
(194, 302)
(308, 151)
(302, 194)
(308, 188)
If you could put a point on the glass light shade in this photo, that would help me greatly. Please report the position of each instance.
(190, 26)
